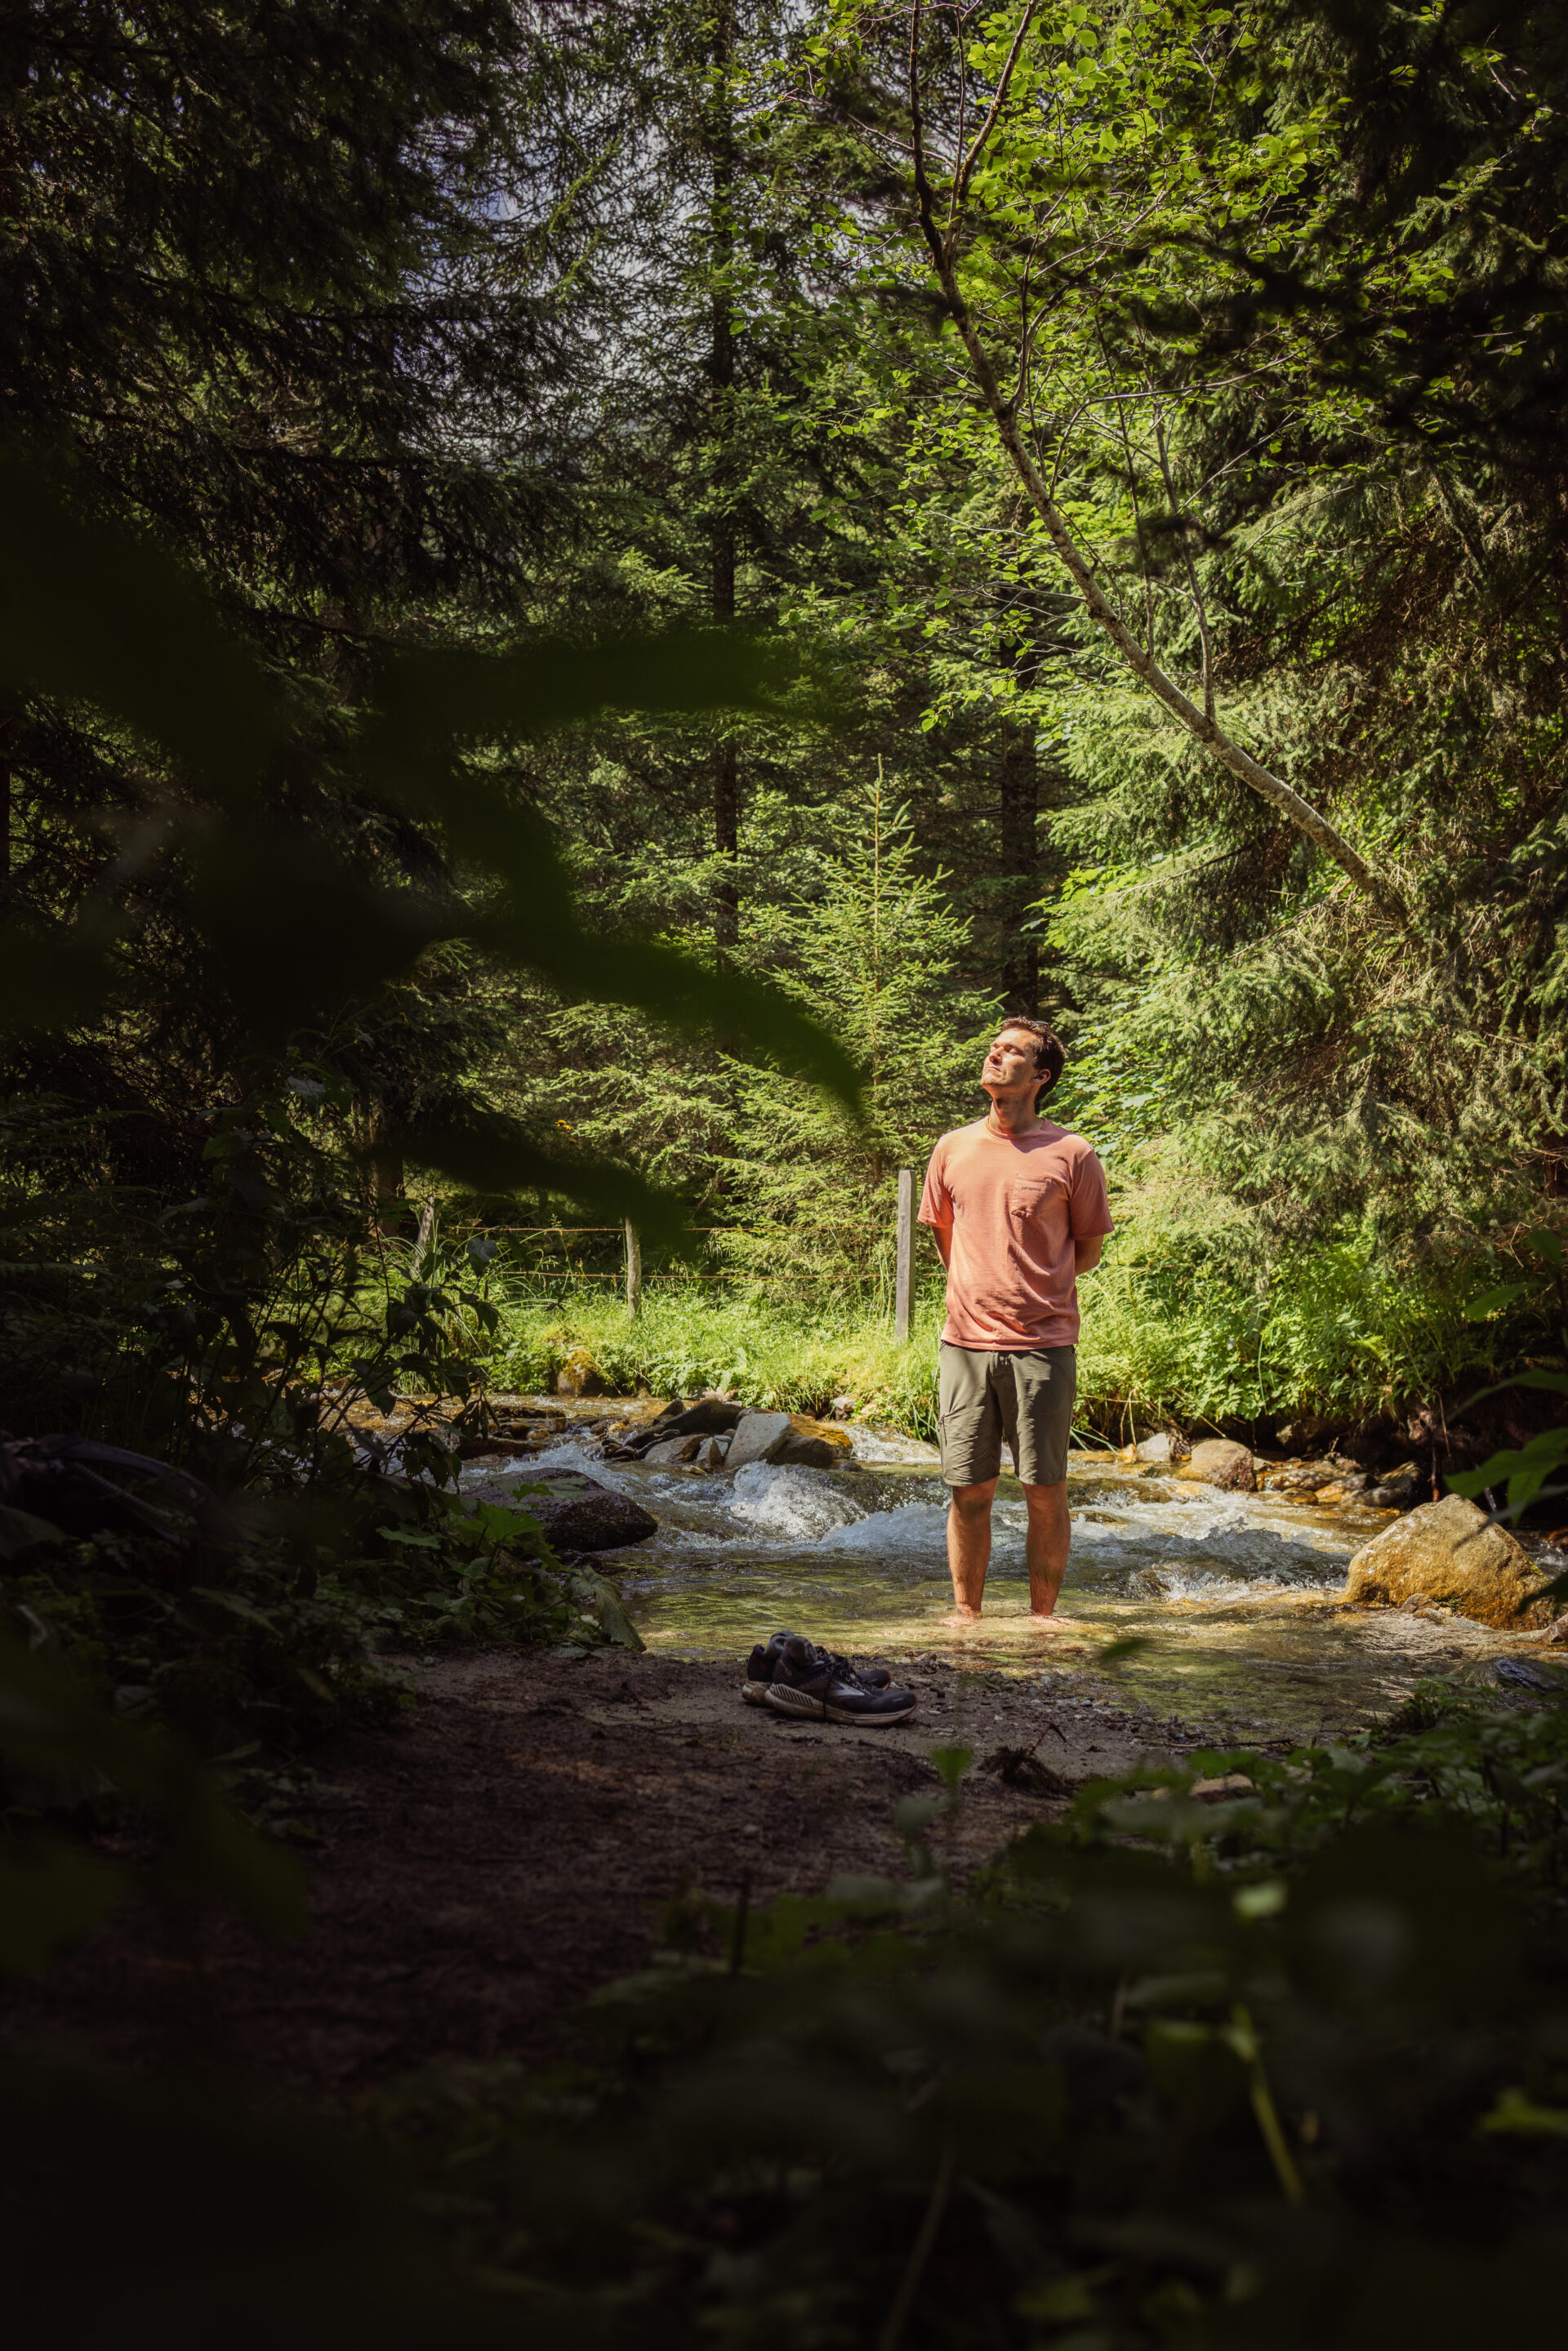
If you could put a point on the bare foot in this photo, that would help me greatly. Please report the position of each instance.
(965, 1616)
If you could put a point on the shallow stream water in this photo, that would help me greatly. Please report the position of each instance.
(1234, 1596)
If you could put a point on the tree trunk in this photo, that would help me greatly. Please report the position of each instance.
(1019, 783)
(721, 363)
(8, 781)
(388, 1202)
(387, 1180)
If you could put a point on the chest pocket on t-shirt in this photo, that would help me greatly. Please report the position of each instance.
(1037, 1197)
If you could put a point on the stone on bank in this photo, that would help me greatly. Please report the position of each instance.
(1450, 1552)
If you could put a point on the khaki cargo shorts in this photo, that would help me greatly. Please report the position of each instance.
(1025, 1398)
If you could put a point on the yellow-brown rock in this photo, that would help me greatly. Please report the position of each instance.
(1449, 1551)
(579, 1376)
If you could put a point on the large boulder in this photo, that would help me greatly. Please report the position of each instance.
(1220, 1461)
(1450, 1552)
(789, 1437)
(755, 1435)
(709, 1416)
(576, 1512)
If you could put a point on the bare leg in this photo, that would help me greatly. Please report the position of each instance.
(1045, 1549)
(969, 1543)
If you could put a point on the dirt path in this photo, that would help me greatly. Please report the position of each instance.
(516, 1843)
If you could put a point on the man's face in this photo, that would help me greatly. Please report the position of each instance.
(1011, 1063)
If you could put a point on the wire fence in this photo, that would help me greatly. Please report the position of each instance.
(611, 1256)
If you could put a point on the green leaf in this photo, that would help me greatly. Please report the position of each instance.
(49, 1727)
(1118, 1653)
(1526, 1470)
(428, 700)
(21, 1532)
(1556, 1383)
(298, 931)
(491, 1152)
(237, 1605)
(1493, 1302)
(51, 1896)
(1515, 2113)
(88, 612)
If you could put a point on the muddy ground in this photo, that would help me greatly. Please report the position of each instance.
(475, 1872)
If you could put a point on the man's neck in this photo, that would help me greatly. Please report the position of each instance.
(1016, 1116)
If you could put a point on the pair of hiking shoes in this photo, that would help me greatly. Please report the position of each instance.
(793, 1676)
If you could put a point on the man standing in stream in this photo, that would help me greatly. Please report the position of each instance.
(1019, 1210)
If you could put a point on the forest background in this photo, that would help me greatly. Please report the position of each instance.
(478, 331)
(544, 545)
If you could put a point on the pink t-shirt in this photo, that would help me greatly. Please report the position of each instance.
(1016, 1203)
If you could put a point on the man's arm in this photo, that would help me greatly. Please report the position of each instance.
(1086, 1254)
(936, 1209)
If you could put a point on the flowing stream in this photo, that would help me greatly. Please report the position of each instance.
(1234, 1598)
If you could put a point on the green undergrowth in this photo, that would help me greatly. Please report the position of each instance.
(1206, 1330)
(1211, 1327)
(1279, 2070)
(261, 1642)
(1282, 2069)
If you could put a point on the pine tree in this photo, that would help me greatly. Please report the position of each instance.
(875, 950)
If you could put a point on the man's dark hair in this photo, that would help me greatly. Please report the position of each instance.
(1050, 1053)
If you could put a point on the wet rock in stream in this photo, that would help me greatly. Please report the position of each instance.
(577, 1513)
(789, 1439)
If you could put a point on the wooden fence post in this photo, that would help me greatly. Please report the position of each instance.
(633, 1270)
(905, 1253)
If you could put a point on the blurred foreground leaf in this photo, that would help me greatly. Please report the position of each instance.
(299, 928)
(67, 1746)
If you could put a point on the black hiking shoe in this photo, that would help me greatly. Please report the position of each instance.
(814, 1686)
(759, 1667)
(763, 1663)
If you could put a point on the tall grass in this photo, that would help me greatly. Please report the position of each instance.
(791, 1357)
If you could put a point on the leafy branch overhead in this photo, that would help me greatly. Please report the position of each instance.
(1080, 204)
(298, 928)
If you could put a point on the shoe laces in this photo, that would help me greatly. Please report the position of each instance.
(829, 1661)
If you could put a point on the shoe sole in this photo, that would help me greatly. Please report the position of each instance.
(755, 1693)
(783, 1700)
(877, 1722)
